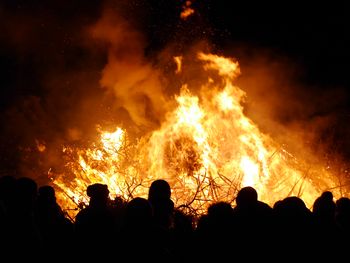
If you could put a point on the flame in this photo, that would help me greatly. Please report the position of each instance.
(40, 146)
(187, 10)
(178, 62)
(207, 149)
(101, 163)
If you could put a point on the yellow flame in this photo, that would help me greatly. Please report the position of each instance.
(226, 67)
(112, 142)
(250, 170)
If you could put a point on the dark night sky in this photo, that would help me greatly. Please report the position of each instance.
(313, 34)
(44, 38)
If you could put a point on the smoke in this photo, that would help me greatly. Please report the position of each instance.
(135, 83)
(307, 118)
(69, 66)
(67, 71)
(50, 93)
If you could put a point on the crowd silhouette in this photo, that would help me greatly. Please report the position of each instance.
(32, 223)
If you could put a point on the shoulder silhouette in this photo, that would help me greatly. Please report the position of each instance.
(55, 228)
(159, 196)
(95, 225)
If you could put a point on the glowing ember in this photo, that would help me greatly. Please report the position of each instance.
(186, 10)
(206, 148)
(40, 146)
(178, 61)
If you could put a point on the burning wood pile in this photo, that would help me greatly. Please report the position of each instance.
(206, 148)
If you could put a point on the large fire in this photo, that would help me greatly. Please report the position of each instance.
(207, 149)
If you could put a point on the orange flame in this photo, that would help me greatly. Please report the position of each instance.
(206, 148)
(178, 62)
(40, 146)
(186, 10)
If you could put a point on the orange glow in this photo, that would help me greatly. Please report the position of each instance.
(178, 62)
(40, 146)
(206, 148)
(186, 10)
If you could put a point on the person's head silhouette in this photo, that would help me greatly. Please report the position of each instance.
(162, 206)
(98, 194)
(247, 196)
(159, 190)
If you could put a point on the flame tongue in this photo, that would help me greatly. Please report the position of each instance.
(187, 10)
(206, 148)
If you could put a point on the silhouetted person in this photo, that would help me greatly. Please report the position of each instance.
(252, 220)
(342, 215)
(118, 206)
(246, 198)
(7, 210)
(26, 232)
(324, 212)
(163, 207)
(7, 197)
(139, 216)
(159, 196)
(294, 227)
(214, 232)
(140, 239)
(293, 211)
(324, 207)
(94, 224)
(218, 219)
(342, 219)
(182, 234)
(248, 205)
(326, 232)
(249, 212)
(55, 228)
